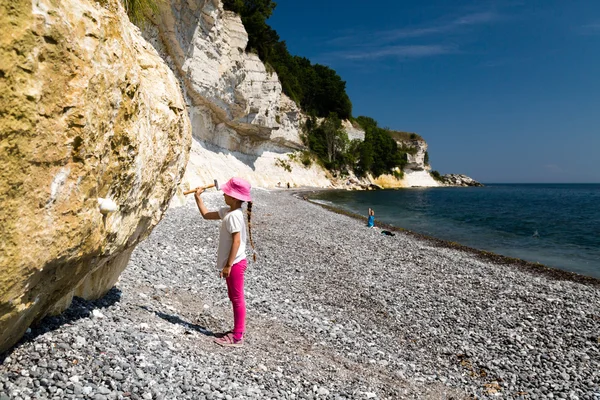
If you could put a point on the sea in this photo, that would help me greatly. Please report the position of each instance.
(557, 225)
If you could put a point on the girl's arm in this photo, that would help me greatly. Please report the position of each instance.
(203, 210)
(232, 253)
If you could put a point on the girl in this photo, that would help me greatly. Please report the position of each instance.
(231, 255)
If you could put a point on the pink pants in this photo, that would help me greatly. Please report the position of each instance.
(235, 290)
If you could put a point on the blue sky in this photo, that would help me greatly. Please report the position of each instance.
(503, 91)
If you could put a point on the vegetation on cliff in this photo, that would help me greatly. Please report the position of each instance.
(138, 10)
(328, 141)
(377, 154)
(401, 136)
(317, 89)
(436, 175)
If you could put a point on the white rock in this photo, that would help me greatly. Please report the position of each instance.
(419, 179)
(107, 205)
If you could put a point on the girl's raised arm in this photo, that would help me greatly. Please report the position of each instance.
(203, 210)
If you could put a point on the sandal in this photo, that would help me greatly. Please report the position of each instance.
(229, 341)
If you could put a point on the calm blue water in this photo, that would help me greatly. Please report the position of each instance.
(554, 224)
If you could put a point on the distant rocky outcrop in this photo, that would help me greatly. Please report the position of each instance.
(459, 180)
(88, 111)
(415, 173)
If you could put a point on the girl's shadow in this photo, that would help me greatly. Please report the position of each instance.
(174, 319)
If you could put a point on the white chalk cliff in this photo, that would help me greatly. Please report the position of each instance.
(242, 123)
(416, 171)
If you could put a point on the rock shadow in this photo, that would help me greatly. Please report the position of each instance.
(80, 308)
(174, 319)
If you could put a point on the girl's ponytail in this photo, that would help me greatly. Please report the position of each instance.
(250, 230)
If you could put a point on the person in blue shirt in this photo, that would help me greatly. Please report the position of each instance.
(371, 220)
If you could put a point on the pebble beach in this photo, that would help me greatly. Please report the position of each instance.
(335, 311)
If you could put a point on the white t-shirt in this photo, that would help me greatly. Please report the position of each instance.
(232, 222)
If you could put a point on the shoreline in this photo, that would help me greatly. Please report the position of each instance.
(549, 271)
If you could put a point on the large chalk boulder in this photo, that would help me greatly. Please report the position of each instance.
(88, 110)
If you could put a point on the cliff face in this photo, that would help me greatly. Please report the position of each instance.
(242, 123)
(353, 132)
(88, 110)
(416, 171)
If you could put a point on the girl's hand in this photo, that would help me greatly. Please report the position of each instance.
(199, 191)
(225, 272)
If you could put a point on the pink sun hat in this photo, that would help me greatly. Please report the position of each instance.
(237, 188)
